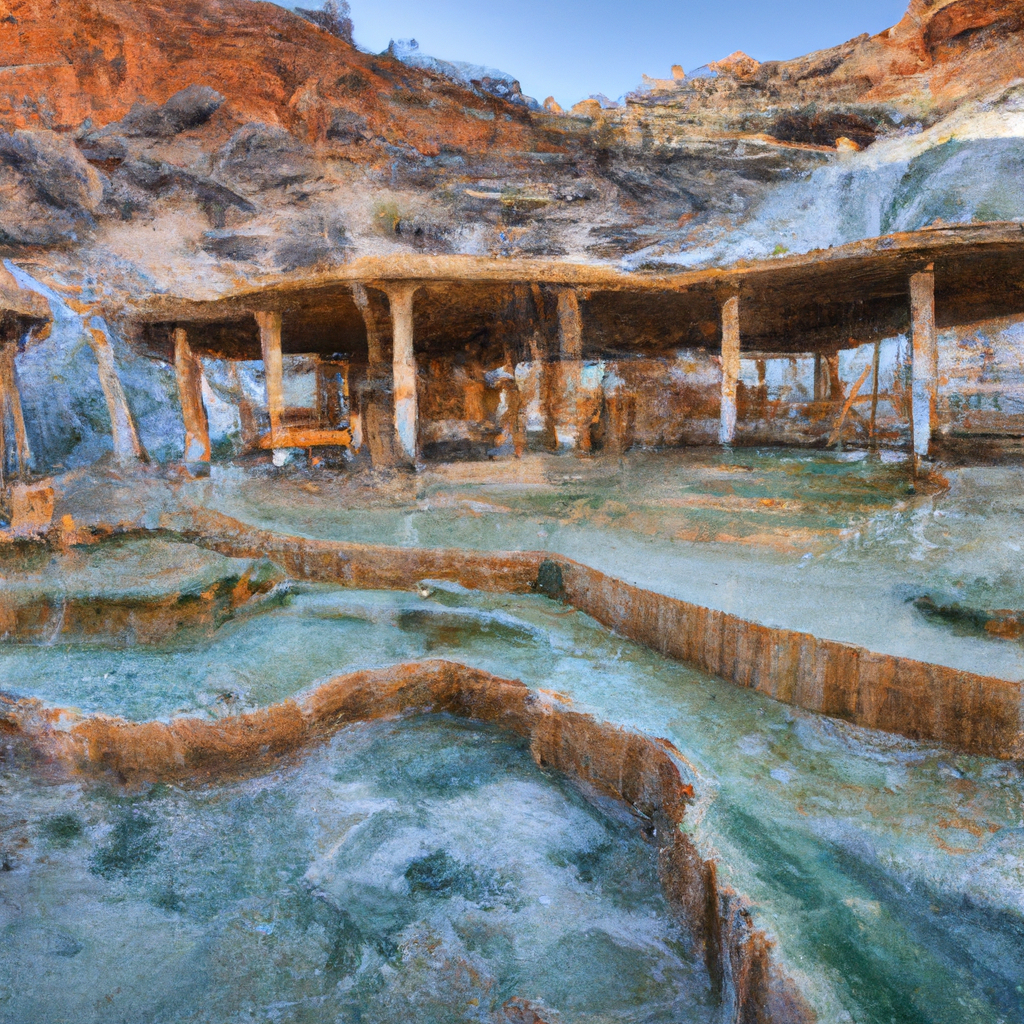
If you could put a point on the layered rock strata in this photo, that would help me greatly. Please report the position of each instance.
(923, 701)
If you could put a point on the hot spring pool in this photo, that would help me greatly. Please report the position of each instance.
(420, 870)
(889, 872)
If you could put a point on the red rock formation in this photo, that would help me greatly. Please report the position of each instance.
(64, 61)
(67, 60)
(941, 51)
(940, 54)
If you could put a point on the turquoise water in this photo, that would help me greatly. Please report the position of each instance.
(891, 873)
(844, 548)
(423, 870)
(127, 569)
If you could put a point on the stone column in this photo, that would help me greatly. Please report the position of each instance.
(332, 393)
(190, 390)
(620, 412)
(570, 346)
(403, 362)
(511, 429)
(127, 446)
(874, 391)
(273, 369)
(11, 399)
(820, 378)
(547, 389)
(373, 388)
(925, 359)
(246, 414)
(730, 368)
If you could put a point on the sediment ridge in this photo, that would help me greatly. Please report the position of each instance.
(646, 774)
(920, 700)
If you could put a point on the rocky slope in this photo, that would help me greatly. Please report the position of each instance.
(243, 139)
(940, 55)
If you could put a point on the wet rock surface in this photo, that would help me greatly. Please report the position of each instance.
(862, 849)
(201, 151)
(125, 593)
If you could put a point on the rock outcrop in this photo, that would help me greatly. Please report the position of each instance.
(202, 150)
(271, 126)
(938, 56)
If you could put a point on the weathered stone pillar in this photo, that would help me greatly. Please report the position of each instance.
(10, 397)
(545, 386)
(570, 324)
(273, 369)
(355, 385)
(547, 377)
(730, 368)
(373, 388)
(190, 390)
(127, 446)
(516, 416)
(925, 359)
(875, 358)
(620, 414)
(332, 393)
(511, 428)
(570, 346)
(403, 362)
(246, 413)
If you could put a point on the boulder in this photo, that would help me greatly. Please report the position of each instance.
(189, 108)
(48, 190)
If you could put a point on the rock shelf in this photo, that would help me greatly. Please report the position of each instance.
(923, 701)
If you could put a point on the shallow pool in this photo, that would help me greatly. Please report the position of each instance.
(423, 870)
(891, 873)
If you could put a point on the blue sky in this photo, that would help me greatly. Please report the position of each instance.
(570, 49)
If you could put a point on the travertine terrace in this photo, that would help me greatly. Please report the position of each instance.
(727, 373)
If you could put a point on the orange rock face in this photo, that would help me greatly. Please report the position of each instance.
(940, 54)
(68, 60)
(941, 51)
(64, 61)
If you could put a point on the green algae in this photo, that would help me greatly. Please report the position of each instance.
(61, 830)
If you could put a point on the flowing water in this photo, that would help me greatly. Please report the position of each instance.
(890, 872)
(844, 550)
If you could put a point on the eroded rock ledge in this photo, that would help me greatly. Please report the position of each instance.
(644, 773)
(920, 700)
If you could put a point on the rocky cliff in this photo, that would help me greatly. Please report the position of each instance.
(199, 146)
(184, 144)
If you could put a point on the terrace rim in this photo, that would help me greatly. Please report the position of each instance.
(649, 775)
(922, 701)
